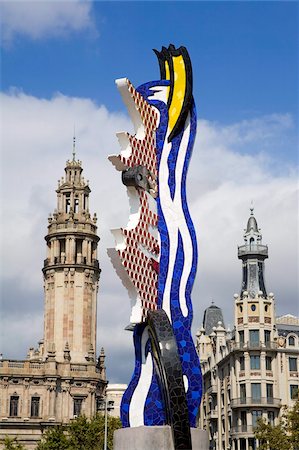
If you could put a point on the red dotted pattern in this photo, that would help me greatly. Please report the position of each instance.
(142, 269)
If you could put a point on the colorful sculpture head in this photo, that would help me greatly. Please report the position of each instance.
(156, 253)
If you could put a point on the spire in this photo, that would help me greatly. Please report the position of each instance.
(253, 254)
(74, 147)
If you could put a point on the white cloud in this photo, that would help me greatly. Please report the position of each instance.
(37, 139)
(41, 19)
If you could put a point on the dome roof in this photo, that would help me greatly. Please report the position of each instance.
(252, 224)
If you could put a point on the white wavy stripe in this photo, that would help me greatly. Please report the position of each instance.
(136, 418)
(185, 233)
(175, 220)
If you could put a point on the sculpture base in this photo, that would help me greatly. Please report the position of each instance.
(155, 438)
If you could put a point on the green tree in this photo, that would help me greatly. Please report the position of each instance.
(12, 444)
(284, 436)
(54, 439)
(292, 425)
(81, 434)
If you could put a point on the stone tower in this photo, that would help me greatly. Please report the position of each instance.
(71, 271)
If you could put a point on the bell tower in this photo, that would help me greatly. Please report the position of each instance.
(71, 271)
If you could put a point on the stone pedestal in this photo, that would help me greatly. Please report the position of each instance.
(155, 438)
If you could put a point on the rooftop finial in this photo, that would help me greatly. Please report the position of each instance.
(251, 208)
(74, 145)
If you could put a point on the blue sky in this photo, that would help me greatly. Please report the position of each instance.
(59, 61)
(244, 54)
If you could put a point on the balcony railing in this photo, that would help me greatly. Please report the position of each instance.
(259, 345)
(253, 401)
(253, 250)
(243, 429)
(59, 260)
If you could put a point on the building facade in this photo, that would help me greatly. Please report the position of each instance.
(252, 371)
(114, 394)
(61, 378)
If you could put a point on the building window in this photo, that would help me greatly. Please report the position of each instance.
(244, 420)
(14, 406)
(243, 392)
(266, 308)
(271, 417)
(294, 391)
(242, 363)
(256, 391)
(255, 417)
(293, 364)
(291, 340)
(269, 390)
(267, 335)
(76, 206)
(100, 403)
(255, 362)
(254, 337)
(268, 363)
(253, 307)
(35, 407)
(241, 338)
(77, 406)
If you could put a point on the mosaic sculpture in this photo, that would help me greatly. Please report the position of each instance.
(156, 254)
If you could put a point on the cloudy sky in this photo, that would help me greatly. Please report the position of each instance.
(59, 63)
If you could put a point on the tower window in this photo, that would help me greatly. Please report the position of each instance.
(253, 307)
(271, 417)
(35, 407)
(266, 308)
(85, 202)
(241, 338)
(77, 406)
(255, 417)
(294, 392)
(14, 406)
(76, 205)
(293, 364)
(256, 391)
(254, 336)
(67, 202)
(267, 337)
(242, 363)
(268, 363)
(269, 390)
(243, 393)
(291, 340)
(255, 362)
(251, 242)
(62, 246)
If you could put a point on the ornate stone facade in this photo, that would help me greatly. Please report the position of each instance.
(252, 371)
(61, 379)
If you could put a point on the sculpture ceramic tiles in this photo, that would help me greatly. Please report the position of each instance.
(156, 254)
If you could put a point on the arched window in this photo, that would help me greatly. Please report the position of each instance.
(291, 340)
(251, 242)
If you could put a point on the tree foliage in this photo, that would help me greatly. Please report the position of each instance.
(81, 434)
(284, 435)
(12, 444)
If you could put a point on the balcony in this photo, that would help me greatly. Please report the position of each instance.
(249, 429)
(253, 250)
(260, 401)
